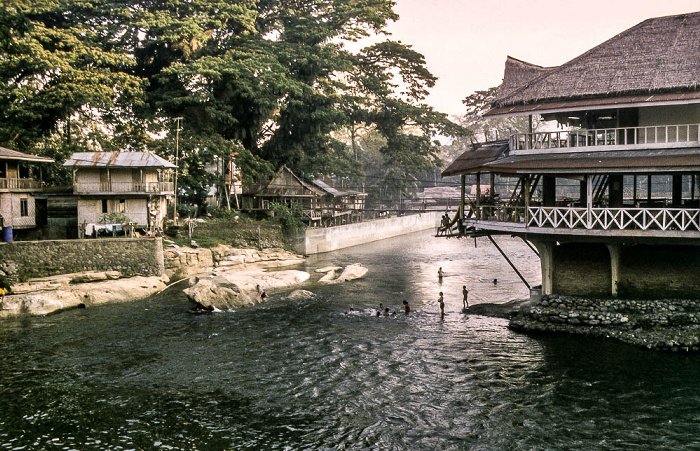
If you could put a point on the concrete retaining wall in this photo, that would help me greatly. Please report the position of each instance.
(129, 256)
(316, 241)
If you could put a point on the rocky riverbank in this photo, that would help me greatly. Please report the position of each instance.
(665, 325)
(234, 282)
(52, 294)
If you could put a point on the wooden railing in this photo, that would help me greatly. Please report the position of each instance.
(661, 219)
(679, 219)
(17, 183)
(123, 187)
(679, 135)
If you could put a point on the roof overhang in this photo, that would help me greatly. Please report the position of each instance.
(604, 162)
(645, 100)
(473, 161)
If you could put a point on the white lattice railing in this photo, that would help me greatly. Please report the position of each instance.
(680, 219)
(686, 134)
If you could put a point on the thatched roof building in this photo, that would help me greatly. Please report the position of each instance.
(656, 60)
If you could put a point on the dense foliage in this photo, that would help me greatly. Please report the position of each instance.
(269, 81)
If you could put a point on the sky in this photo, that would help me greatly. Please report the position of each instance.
(465, 42)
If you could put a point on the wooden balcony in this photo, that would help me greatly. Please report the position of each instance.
(124, 188)
(619, 222)
(19, 184)
(624, 138)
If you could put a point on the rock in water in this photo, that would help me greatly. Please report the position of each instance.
(352, 272)
(219, 293)
(300, 295)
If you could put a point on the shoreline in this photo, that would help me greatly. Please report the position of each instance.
(668, 325)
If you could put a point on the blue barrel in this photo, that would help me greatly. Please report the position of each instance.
(7, 234)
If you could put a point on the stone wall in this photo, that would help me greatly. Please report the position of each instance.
(129, 256)
(581, 269)
(663, 324)
(652, 271)
(644, 271)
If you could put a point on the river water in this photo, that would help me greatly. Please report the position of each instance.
(315, 375)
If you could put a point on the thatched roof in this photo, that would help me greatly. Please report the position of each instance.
(517, 74)
(659, 55)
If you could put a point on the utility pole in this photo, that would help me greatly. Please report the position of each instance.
(177, 158)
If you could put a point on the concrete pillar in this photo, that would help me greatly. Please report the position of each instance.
(546, 250)
(614, 250)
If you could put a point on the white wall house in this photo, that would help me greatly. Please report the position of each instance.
(138, 184)
(18, 188)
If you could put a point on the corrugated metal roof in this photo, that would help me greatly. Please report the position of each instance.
(117, 160)
(9, 154)
(332, 190)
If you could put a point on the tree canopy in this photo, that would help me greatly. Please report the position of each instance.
(270, 81)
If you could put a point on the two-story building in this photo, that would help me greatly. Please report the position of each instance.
(18, 191)
(137, 184)
(610, 195)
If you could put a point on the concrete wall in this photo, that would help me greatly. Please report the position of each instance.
(129, 256)
(316, 241)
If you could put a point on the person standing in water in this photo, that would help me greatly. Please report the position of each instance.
(465, 294)
(406, 307)
(440, 274)
(442, 306)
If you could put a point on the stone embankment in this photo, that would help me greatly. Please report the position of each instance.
(667, 325)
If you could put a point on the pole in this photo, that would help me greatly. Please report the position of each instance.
(177, 158)
(509, 262)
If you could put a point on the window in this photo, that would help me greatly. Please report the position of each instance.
(122, 205)
(3, 169)
(24, 207)
(104, 206)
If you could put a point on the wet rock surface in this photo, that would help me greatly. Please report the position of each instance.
(665, 325)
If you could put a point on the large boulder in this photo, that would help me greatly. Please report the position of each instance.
(238, 287)
(351, 272)
(217, 292)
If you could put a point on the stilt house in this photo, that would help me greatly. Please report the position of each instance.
(18, 190)
(610, 196)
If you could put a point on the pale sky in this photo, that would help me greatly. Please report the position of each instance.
(465, 42)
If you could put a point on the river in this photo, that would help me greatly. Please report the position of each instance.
(315, 374)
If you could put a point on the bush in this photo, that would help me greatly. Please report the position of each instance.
(289, 218)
